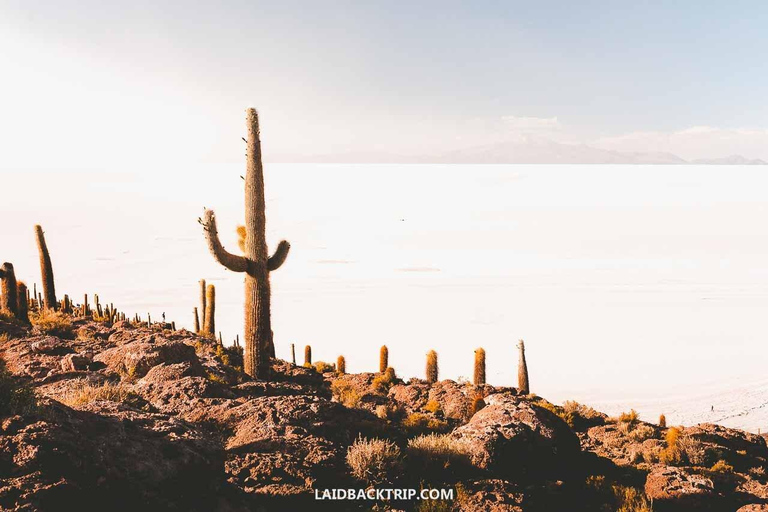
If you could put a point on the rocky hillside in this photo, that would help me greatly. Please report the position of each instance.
(125, 416)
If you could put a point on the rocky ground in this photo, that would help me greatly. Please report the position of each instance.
(131, 417)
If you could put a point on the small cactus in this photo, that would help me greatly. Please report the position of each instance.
(523, 386)
(479, 367)
(307, 355)
(46, 269)
(209, 325)
(8, 301)
(432, 368)
(663, 421)
(341, 365)
(383, 359)
(197, 321)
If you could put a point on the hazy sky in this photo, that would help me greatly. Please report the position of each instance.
(92, 81)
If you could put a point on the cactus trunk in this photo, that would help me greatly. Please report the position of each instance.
(341, 365)
(46, 269)
(22, 312)
(432, 368)
(307, 355)
(383, 359)
(522, 371)
(255, 262)
(202, 305)
(479, 367)
(197, 321)
(209, 325)
(9, 301)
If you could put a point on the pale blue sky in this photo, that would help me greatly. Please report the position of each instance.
(173, 78)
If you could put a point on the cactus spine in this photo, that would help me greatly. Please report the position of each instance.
(432, 368)
(255, 262)
(9, 301)
(308, 355)
(341, 365)
(523, 386)
(479, 367)
(383, 359)
(46, 269)
(209, 325)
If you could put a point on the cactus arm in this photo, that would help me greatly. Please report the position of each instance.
(278, 258)
(231, 261)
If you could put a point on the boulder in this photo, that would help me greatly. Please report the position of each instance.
(138, 357)
(510, 437)
(75, 363)
(678, 488)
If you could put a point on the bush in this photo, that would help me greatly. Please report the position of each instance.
(721, 467)
(672, 454)
(374, 461)
(16, 396)
(54, 323)
(83, 392)
(629, 417)
(433, 406)
(382, 383)
(434, 454)
(323, 367)
(345, 393)
(642, 432)
(418, 422)
(629, 499)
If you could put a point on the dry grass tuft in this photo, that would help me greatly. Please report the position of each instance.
(440, 450)
(345, 393)
(630, 499)
(323, 367)
(419, 422)
(374, 461)
(52, 322)
(433, 406)
(721, 467)
(84, 393)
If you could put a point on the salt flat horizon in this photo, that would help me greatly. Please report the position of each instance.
(629, 284)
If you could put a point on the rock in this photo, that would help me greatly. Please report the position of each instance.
(489, 496)
(510, 436)
(107, 457)
(754, 508)
(74, 363)
(48, 345)
(677, 487)
(136, 358)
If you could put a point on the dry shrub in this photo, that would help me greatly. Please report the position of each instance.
(672, 454)
(382, 383)
(418, 422)
(436, 453)
(374, 461)
(323, 367)
(433, 406)
(53, 322)
(382, 412)
(629, 417)
(629, 499)
(757, 471)
(642, 432)
(721, 467)
(345, 393)
(694, 451)
(83, 393)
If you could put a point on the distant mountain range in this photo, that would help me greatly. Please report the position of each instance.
(525, 151)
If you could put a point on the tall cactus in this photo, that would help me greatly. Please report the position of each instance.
(22, 300)
(479, 367)
(293, 354)
(202, 306)
(383, 359)
(197, 322)
(255, 262)
(341, 365)
(8, 302)
(209, 324)
(432, 368)
(522, 370)
(307, 355)
(46, 269)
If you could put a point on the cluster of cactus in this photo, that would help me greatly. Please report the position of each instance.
(205, 317)
(254, 262)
